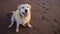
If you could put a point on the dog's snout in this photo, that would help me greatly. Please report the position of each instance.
(26, 10)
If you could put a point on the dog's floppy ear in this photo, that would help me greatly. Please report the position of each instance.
(19, 7)
(30, 6)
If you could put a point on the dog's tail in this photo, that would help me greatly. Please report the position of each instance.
(12, 11)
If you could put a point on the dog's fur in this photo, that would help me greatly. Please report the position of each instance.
(20, 17)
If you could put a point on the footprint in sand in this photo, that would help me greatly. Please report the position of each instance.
(55, 20)
(55, 32)
(45, 12)
(43, 18)
(43, 3)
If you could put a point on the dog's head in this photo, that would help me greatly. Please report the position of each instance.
(24, 9)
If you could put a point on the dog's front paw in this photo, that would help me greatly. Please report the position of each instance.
(9, 26)
(17, 30)
(29, 25)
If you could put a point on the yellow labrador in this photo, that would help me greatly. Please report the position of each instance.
(22, 16)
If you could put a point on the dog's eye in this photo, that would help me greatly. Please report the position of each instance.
(23, 7)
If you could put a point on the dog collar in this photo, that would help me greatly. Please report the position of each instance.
(21, 15)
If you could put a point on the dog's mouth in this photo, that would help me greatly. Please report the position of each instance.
(25, 14)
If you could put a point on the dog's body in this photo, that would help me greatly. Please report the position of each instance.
(22, 16)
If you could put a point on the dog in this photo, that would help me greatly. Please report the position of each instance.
(22, 16)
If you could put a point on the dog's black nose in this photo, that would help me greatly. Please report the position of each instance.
(26, 10)
(22, 13)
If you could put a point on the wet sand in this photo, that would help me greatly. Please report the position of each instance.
(45, 16)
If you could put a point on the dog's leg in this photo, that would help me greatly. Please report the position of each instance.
(12, 22)
(29, 25)
(10, 25)
(17, 27)
(23, 25)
